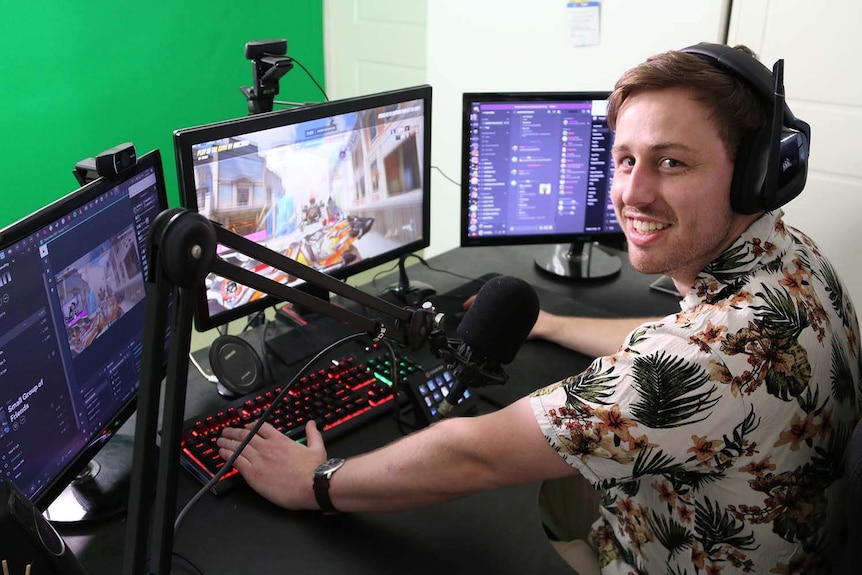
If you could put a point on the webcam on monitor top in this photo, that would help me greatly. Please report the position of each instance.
(111, 163)
(257, 49)
(269, 62)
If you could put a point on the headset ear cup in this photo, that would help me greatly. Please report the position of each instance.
(792, 168)
(787, 135)
(749, 173)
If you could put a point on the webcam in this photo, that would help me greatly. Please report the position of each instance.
(111, 163)
(269, 63)
(257, 49)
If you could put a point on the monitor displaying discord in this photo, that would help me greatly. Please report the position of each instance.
(537, 167)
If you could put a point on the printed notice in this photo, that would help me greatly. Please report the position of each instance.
(584, 20)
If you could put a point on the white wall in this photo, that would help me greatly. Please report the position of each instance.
(359, 37)
(823, 88)
(513, 45)
(475, 45)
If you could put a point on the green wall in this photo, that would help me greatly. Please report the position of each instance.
(77, 78)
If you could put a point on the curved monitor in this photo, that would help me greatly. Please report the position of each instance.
(72, 307)
(536, 168)
(341, 186)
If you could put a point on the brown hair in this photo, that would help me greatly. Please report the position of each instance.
(736, 107)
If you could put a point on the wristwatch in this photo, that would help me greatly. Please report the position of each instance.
(322, 475)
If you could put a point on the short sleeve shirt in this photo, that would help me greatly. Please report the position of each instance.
(717, 433)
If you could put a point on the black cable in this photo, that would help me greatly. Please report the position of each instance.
(263, 335)
(264, 354)
(384, 272)
(256, 427)
(265, 415)
(253, 320)
(397, 386)
(445, 176)
(189, 562)
(451, 273)
(319, 87)
(433, 269)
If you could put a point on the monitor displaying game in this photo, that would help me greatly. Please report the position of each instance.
(72, 308)
(341, 187)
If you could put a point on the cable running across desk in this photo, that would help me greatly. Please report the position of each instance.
(200, 454)
(350, 392)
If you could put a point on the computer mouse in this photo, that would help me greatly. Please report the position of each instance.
(422, 294)
(415, 295)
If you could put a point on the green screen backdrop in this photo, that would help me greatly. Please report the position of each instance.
(77, 78)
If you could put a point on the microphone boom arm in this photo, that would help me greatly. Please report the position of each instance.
(411, 334)
(182, 251)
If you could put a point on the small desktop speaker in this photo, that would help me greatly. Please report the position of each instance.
(26, 538)
(236, 364)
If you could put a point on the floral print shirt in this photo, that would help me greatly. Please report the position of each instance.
(717, 434)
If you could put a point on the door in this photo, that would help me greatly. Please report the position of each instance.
(823, 88)
(373, 45)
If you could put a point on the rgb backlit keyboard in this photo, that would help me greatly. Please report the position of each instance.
(348, 393)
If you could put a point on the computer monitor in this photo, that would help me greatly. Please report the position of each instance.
(72, 301)
(537, 169)
(341, 186)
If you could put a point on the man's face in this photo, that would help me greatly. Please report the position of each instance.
(671, 187)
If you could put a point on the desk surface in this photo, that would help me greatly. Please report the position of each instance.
(492, 532)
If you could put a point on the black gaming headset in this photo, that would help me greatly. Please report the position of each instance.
(772, 163)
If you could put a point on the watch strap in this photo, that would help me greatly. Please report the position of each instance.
(322, 475)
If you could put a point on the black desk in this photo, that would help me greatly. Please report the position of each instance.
(492, 532)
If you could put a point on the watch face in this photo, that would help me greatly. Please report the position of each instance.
(329, 466)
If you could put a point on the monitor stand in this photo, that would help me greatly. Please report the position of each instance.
(406, 292)
(101, 489)
(580, 260)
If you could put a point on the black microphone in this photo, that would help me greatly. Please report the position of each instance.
(491, 333)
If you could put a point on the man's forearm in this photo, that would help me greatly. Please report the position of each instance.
(450, 459)
(590, 336)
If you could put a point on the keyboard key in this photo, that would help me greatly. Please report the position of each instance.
(339, 398)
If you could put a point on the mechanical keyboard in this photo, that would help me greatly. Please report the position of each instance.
(347, 393)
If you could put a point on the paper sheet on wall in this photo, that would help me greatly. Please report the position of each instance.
(584, 20)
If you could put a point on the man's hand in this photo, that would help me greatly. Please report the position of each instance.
(275, 466)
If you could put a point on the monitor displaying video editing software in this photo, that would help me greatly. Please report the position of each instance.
(536, 168)
(72, 308)
(341, 186)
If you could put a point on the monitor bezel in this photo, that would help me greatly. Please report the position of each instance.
(468, 98)
(34, 222)
(186, 138)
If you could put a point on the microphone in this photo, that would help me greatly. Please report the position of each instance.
(491, 333)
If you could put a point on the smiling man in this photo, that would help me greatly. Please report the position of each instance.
(714, 436)
(671, 185)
